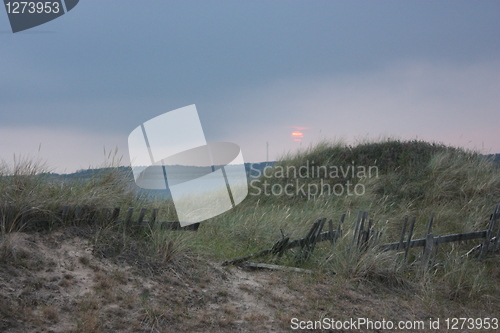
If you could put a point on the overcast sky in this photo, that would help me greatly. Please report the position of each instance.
(350, 70)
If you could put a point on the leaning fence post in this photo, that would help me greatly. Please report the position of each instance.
(497, 237)
(115, 214)
(428, 250)
(105, 215)
(142, 213)
(301, 255)
(368, 230)
(489, 232)
(280, 246)
(403, 231)
(3, 224)
(410, 234)
(315, 236)
(330, 232)
(367, 233)
(361, 229)
(435, 248)
(78, 214)
(128, 217)
(154, 213)
(429, 226)
(310, 240)
(65, 214)
(339, 228)
(356, 227)
(429, 244)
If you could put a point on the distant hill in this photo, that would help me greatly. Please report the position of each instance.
(496, 158)
(252, 169)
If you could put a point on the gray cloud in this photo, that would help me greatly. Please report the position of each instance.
(449, 104)
(253, 69)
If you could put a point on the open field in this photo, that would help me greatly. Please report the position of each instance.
(102, 277)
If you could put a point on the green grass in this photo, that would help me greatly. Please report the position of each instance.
(414, 178)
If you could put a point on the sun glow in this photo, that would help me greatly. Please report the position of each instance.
(297, 136)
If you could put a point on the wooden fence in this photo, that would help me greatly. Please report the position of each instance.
(365, 237)
(13, 218)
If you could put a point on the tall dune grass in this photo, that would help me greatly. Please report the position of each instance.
(414, 178)
(28, 184)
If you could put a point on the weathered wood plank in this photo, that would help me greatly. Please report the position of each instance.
(175, 225)
(394, 246)
(78, 213)
(462, 237)
(403, 232)
(443, 239)
(314, 237)
(116, 214)
(276, 267)
(309, 244)
(65, 214)
(368, 235)
(299, 242)
(496, 235)
(339, 228)
(280, 246)
(330, 229)
(291, 244)
(496, 243)
(410, 234)
(429, 225)
(361, 229)
(154, 214)
(128, 217)
(489, 232)
(142, 214)
(239, 260)
(429, 245)
(356, 228)
(105, 215)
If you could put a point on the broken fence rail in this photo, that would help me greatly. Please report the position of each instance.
(285, 244)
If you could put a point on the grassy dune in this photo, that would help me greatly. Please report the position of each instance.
(410, 178)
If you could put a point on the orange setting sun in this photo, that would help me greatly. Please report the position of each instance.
(297, 135)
